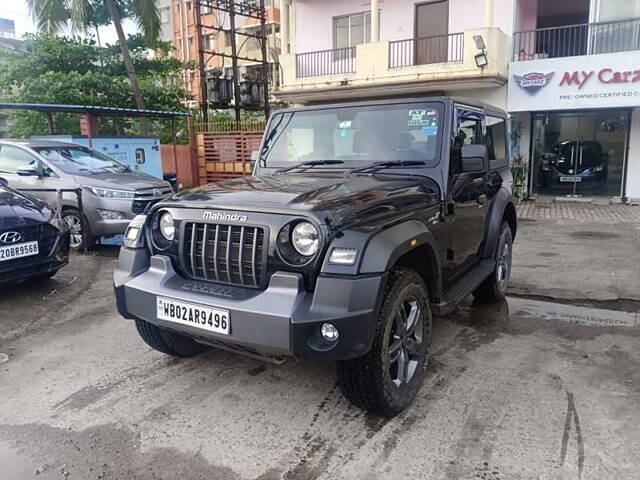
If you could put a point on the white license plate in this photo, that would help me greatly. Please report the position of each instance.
(575, 178)
(206, 318)
(18, 250)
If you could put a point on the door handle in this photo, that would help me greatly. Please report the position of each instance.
(482, 199)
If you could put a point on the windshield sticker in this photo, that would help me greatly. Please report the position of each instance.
(344, 127)
(420, 118)
(430, 129)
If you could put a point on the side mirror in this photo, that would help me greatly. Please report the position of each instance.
(28, 171)
(4, 182)
(254, 158)
(474, 158)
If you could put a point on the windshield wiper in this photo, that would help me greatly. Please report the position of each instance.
(377, 166)
(309, 164)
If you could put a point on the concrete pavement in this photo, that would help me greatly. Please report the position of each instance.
(510, 394)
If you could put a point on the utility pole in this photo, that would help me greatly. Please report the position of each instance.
(265, 58)
(234, 61)
(204, 107)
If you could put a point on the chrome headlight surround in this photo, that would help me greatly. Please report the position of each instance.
(299, 242)
(163, 229)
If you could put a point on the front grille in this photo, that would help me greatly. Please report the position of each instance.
(46, 236)
(138, 206)
(146, 196)
(229, 254)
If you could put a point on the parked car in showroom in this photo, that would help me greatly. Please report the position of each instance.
(361, 221)
(572, 161)
(112, 194)
(34, 241)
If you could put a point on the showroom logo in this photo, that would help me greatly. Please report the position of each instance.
(533, 82)
(10, 237)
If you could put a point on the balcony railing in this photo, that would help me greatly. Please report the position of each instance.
(426, 50)
(576, 40)
(326, 62)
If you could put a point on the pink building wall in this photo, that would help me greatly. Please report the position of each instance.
(526, 15)
(314, 19)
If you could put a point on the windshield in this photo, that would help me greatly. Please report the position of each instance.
(79, 160)
(355, 135)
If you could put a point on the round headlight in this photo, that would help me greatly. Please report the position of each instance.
(167, 227)
(305, 239)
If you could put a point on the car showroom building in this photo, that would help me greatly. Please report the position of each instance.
(574, 95)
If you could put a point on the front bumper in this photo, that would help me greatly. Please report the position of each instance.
(50, 262)
(283, 320)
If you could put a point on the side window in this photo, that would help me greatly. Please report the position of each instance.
(496, 138)
(469, 131)
(13, 157)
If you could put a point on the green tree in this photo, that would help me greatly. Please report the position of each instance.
(52, 15)
(66, 71)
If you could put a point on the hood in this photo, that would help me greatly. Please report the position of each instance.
(122, 181)
(19, 210)
(331, 197)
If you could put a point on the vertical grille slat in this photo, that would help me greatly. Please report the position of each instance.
(228, 251)
(192, 256)
(215, 255)
(231, 254)
(204, 252)
(240, 248)
(253, 258)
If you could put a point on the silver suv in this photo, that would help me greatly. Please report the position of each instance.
(112, 193)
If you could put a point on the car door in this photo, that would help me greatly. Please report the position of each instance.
(13, 157)
(468, 194)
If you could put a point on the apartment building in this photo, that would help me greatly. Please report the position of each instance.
(568, 70)
(349, 49)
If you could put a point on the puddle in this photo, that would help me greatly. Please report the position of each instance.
(588, 235)
(20, 467)
(587, 316)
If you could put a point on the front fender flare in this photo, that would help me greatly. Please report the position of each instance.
(385, 248)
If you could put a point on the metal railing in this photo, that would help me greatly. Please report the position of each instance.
(426, 50)
(326, 62)
(576, 40)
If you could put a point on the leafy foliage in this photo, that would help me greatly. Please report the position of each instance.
(53, 15)
(65, 70)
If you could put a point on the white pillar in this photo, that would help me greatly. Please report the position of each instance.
(292, 26)
(375, 21)
(285, 23)
(488, 13)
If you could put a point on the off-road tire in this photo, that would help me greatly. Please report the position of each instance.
(168, 342)
(366, 381)
(494, 288)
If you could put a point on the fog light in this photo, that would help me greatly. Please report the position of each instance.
(329, 332)
(110, 214)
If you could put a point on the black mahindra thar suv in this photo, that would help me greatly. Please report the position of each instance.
(360, 222)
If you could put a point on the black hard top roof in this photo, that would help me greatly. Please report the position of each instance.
(396, 100)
